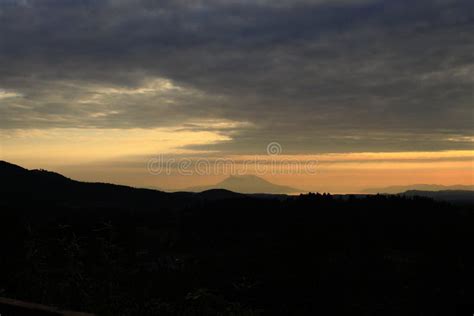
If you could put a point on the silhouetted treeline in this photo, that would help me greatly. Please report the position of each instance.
(222, 253)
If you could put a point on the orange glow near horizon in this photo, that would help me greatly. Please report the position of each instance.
(119, 156)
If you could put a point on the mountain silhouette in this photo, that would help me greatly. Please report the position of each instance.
(247, 184)
(20, 184)
(78, 245)
(454, 196)
(418, 187)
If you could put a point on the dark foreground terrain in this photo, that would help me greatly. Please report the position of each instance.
(114, 250)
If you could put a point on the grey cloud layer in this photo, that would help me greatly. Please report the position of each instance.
(316, 75)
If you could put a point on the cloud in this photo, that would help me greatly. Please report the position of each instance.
(8, 94)
(316, 75)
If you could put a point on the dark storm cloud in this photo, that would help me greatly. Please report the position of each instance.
(319, 75)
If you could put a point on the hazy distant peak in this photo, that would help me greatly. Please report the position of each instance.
(244, 176)
(247, 184)
(244, 179)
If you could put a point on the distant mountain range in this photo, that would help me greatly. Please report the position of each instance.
(247, 184)
(418, 187)
(19, 184)
(454, 196)
(140, 243)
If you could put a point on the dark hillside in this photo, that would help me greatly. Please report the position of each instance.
(115, 250)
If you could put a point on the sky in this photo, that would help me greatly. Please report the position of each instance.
(372, 92)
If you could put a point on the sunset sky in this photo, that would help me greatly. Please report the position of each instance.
(375, 92)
